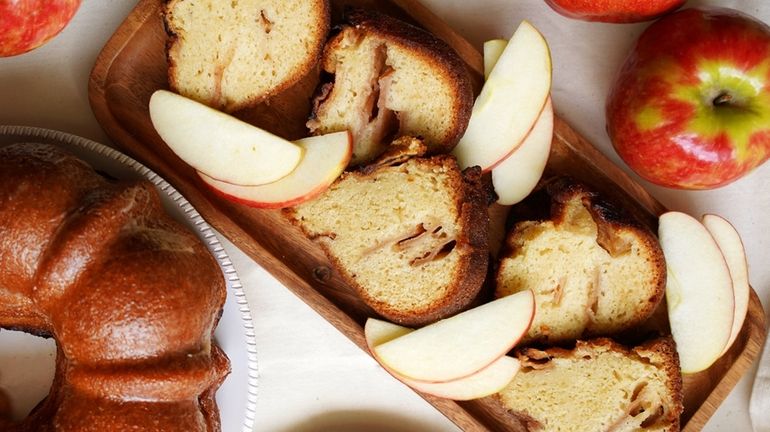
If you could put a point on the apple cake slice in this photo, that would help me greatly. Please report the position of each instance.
(598, 386)
(410, 236)
(391, 79)
(594, 270)
(235, 54)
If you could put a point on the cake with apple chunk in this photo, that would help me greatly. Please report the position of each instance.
(408, 234)
(235, 54)
(391, 79)
(595, 270)
(600, 385)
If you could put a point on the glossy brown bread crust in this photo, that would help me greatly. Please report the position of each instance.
(550, 202)
(660, 352)
(470, 202)
(431, 50)
(319, 32)
(130, 295)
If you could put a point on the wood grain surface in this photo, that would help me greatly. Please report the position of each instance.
(133, 65)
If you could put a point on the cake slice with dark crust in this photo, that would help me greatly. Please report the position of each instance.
(235, 54)
(594, 270)
(598, 386)
(410, 236)
(391, 79)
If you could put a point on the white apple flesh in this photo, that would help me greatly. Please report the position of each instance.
(485, 382)
(461, 345)
(729, 242)
(219, 145)
(699, 291)
(326, 156)
(510, 101)
(517, 175)
(493, 49)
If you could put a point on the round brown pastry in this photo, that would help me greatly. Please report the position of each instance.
(130, 296)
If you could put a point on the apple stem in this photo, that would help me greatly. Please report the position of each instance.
(722, 99)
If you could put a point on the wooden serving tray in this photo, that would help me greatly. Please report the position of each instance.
(132, 65)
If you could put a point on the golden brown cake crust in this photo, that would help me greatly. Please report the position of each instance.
(319, 33)
(551, 203)
(427, 47)
(472, 243)
(433, 50)
(660, 352)
(610, 218)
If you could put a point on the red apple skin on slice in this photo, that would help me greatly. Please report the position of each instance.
(485, 382)
(326, 156)
(220, 145)
(497, 125)
(699, 291)
(731, 245)
(518, 174)
(461, 345)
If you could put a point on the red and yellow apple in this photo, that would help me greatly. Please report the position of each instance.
(28, 24)
(614, 11)
(690, 108)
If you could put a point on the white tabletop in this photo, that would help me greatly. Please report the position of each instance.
(312, 378)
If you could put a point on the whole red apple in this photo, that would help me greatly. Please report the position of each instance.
(27, 24)
(614, 11)
(690, 108)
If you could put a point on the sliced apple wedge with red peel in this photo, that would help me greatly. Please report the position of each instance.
(485, 382)
(220, 145)
(699, 291)
(517, 175)
(510, 101)
(461, 345)
(729, 242)
(326, 156)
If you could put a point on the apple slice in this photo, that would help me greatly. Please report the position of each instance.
(729, 242)
(485, 382)
(493, 49)
(219, 145)
(510, 101)
(326, 156)
(517, 175)
(699, 291)
(461, 345)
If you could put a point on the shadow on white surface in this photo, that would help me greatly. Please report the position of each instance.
(356, 421)
(27, 366)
